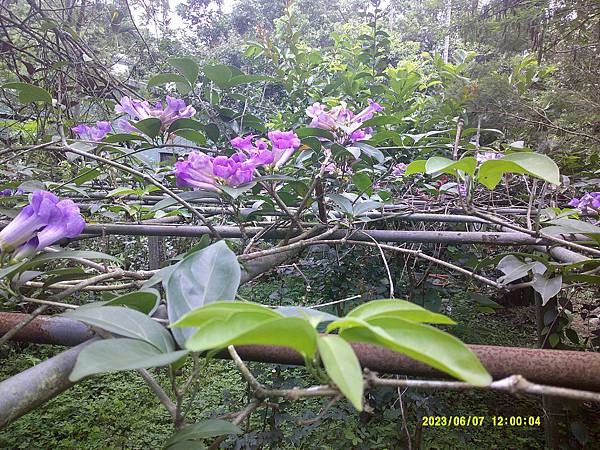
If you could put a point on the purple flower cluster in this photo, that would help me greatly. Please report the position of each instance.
(486, 156)
(201, 171)
(95, 134)
(9, 192)
(399, 169)
(589, 201)
(140, 110)
(340, 120)
(44, 221)
(283, 146)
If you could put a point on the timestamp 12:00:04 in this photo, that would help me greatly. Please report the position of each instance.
(478, 421)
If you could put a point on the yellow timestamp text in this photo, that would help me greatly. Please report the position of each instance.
(478, 421)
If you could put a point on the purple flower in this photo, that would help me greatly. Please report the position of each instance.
(399, 169)
(201, 171)
(140, 110)
(196, 172)
(41, 223)
(8, 192)
(342, 122)
(368, 112)
(284, 144)
(243, 143)
(362, 134)
(486, 156)
(65, 222)
(589, 201)
(31, 218)
(96, 133)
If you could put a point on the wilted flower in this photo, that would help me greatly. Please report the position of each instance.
(399, 169)
(589, 200)
(95, 134)
(486, 156)
(41, 223)
(342, 121)
(140, 110)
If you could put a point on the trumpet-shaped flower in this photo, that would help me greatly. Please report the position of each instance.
(140, 110)
(41, 223)
(65, 222)
(95, 134)
(342, 122)
(589, 201)
(285, 143)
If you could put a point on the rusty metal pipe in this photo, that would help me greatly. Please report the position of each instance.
(540, 366)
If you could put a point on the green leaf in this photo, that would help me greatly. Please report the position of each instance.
(121, 191)
(190, 124)
(235, 192)
(187, 67)
(163, 78)
(202, 430)
(221, 311)
(398, 308)
(422, 343)
(212, 132)
(219, 74)
(438, 164)
(417, 166)
(220, 332)
(546, 287)
(190, 196)
(87, 176)
(513, 269)
(122, 137)
(29, 93)
(371, 151)
(210, 275)
(317, 132)
(192, 135)
(534, 164)
(343, 367)
(246, 79)
(143, 301)
(362, 181)
(112, 355)
(150, 126)
(125, 322)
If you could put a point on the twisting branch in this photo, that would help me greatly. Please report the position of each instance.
(149, 179)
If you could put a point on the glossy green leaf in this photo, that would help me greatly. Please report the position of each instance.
(187, 67)
(316, 132)
(438, 164)
(163, 78)
(210, 275)
(219, 74)
(125, 322)
(343, 367)
(150, 126)
(534, 164)
(145, 301)
(417, 166)
(192, 135)
(113, 355)
(220, 332)
(398, 308)
(422, 343)
(29, 93)
(221, 311)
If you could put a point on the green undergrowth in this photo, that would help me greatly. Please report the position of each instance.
(117, 411)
